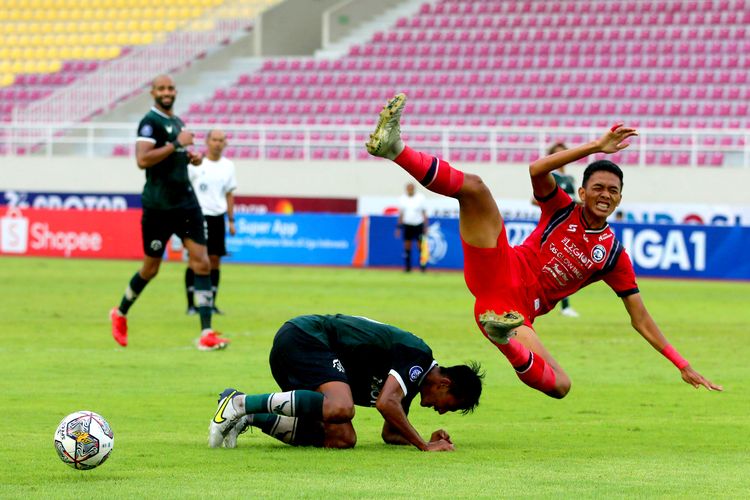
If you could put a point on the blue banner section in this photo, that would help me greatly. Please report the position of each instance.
(294, 239)
(386, 249)
(657, 250)
(687, 251)
(69, 201)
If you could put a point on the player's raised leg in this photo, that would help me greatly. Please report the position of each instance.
(486, 252)
(480, 221)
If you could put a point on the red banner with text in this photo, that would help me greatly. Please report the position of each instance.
(71, 233)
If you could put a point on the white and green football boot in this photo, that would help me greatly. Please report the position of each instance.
(501, 327)
(386, 141)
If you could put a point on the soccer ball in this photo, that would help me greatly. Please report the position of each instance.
(84, 440)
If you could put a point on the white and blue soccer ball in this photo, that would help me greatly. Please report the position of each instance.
(84, 440)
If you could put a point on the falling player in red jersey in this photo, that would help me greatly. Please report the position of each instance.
(571, 247)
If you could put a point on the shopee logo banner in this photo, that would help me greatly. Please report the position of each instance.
(55, 233)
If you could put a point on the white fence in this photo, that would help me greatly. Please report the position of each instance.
(679, 147)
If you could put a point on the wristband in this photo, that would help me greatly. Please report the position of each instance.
(672, 355)
(176, 144)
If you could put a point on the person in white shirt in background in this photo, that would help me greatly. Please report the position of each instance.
(214, 182)
(412, 223)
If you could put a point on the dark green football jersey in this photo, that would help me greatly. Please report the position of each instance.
(167, 183)
(567, 183)
(369, 351)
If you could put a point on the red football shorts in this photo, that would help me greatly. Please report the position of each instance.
(495, 279)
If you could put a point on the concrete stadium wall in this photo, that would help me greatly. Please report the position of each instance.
(373, 178)
(292, 27)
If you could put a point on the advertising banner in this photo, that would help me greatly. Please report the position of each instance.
(299, 239)
(71, 233)
(657, 250)
(69, 201)
(386, 249)
(290, 205)
(687, 251)
(639, 213)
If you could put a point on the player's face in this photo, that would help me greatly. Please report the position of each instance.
(164, 92)
(439, 399)
(601, 195)
(216, 143)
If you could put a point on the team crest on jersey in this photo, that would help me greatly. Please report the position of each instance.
(146, 130)
(598, 253)
(155, 245)
(414, 373)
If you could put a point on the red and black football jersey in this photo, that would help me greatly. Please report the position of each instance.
(566, 255)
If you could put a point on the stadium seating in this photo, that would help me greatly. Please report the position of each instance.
(46, 44)
(503, 63)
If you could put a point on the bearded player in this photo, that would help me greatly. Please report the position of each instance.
(571, 247)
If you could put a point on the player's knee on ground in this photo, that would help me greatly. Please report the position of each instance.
(337, 411)
(340, 436)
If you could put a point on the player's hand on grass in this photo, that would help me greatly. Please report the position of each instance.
(440, 445)
(695, 379)
(440, 434)
(612, 141)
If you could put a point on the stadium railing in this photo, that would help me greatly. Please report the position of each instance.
(655, 146)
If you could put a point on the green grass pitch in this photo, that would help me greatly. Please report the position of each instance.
(629, 428)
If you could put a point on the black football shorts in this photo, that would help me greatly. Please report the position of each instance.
(300, 361)
(157, 226)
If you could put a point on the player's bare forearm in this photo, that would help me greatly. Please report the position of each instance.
(147, 155)
(394, 415)
(392, 436)
(389, 404)
(647, 327)
(541, 170)
(548, 164)
(642, 321)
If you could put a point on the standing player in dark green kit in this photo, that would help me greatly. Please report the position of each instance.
(328, 364)
(169, 207)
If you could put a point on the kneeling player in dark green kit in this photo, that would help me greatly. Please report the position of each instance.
(328, 364)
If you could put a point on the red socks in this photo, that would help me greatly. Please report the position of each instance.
(433, 173)
(531, 368)
(538, 375)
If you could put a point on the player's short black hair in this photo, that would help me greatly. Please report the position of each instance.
(466, 384)
(551, 149)
(602, 165)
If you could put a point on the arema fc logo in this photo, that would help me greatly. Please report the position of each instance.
(155, 245)
(598, 253)
(437, 243)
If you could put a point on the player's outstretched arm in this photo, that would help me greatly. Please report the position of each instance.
(541, 170)
(646, 326)
(389, 404)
